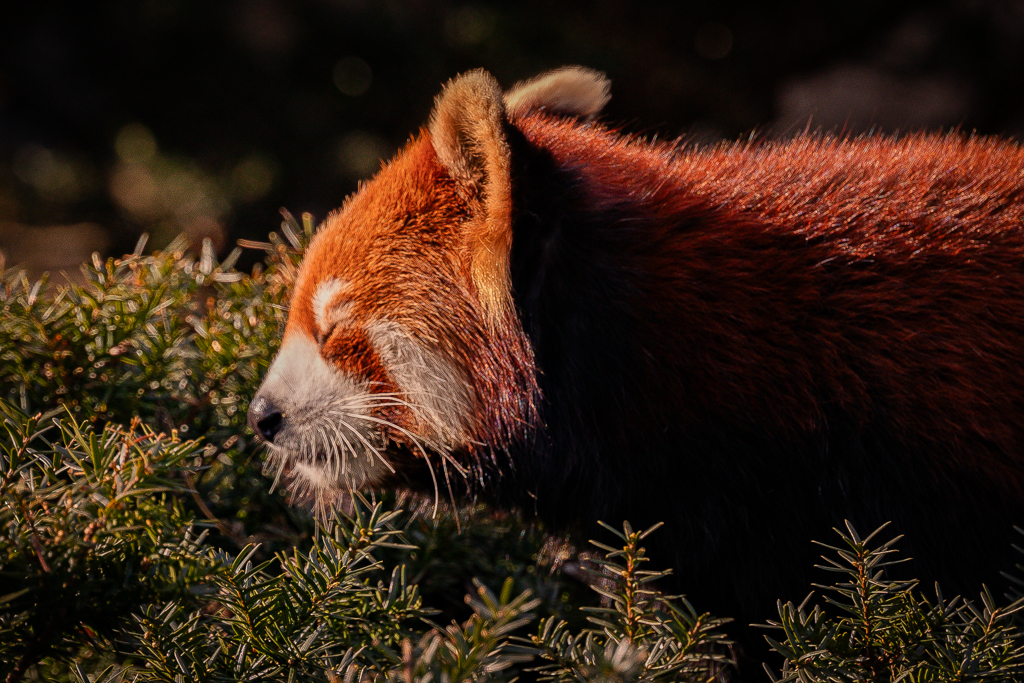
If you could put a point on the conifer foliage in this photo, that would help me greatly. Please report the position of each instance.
(140, 541)
(876, 629)
(89, 533)
(638, 634)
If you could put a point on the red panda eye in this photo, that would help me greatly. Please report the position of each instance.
(323, 336)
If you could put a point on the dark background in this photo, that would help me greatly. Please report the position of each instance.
(204, 117)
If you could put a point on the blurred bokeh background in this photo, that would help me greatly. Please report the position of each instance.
(204, 117)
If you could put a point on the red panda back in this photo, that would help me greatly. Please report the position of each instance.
(756, 342)
(825, 272)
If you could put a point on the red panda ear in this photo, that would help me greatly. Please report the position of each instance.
(569, 91)
(466, 129)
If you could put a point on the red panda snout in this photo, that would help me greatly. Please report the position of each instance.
(318, 423)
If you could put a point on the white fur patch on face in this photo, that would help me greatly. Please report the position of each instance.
(439, 392)
(328, 310)
(329, 439)
(333, 436)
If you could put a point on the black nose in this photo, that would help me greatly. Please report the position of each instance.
(264, 418)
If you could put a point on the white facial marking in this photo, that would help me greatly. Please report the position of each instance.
(327, 309)
(333, 435)
(439, 392)
(328, 440)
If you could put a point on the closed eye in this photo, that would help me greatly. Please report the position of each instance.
(338, 314)
(322, 337)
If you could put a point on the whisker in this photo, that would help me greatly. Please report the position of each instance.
(416, 443)
(373, 448)
(333, 446)
(389, 404)
(281, 462)
(451, 495)
(366, 442)
(329, 432)
(413, 438)
(345, 449)
(459, 402)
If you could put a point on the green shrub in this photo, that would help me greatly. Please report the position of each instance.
(638, 635)
(883, 630)
(176, 341)
(89, 534)
(161, 349)
(141, 540)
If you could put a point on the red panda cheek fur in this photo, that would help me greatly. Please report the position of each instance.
(352, 350)
(750, 342)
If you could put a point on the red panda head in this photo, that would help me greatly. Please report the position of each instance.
(402, 352)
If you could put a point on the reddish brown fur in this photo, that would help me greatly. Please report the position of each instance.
(352, 349)
(750, 342)
(402, 251)
(918, 208)
(784, 336)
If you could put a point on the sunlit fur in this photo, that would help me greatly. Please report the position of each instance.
(750, 342)
(401, 330)
(332, 440)
(569, 91)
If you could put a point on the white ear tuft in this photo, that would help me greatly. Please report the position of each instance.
(569, 91)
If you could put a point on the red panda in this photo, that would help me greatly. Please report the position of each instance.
(750, 342)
